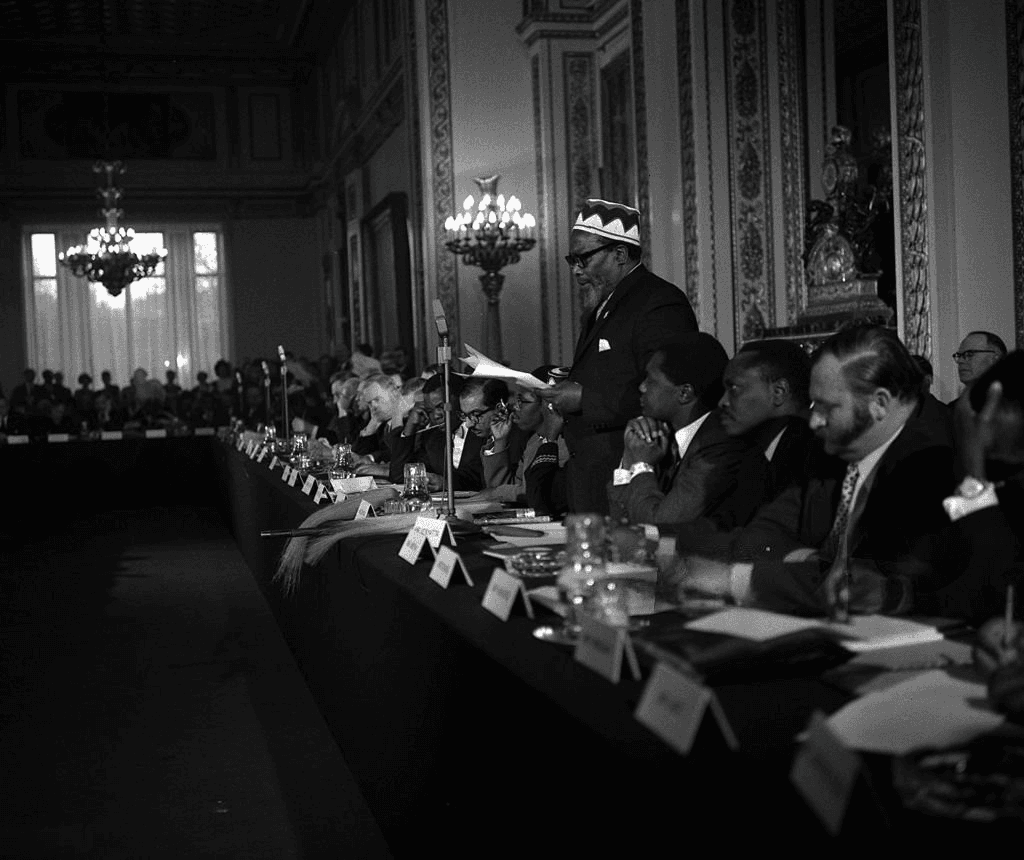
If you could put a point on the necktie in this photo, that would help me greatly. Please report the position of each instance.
(672, 460)
(837, 536)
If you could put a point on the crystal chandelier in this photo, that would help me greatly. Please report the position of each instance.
(107, 257)
(492, 237)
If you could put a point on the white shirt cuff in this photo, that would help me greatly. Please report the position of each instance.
(739, 582)
(958, 507)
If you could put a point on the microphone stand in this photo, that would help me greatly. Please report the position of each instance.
(284, 397)
(266, 387)
(444, 358)
(241, 395)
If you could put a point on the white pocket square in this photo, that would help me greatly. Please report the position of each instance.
(603, 345)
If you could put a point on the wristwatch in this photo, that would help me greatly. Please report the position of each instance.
(971, 488)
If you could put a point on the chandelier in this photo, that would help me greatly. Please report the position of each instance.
(491, 237)
(107, 257)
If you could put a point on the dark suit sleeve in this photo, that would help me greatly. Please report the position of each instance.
(702, 483)
(545, 482)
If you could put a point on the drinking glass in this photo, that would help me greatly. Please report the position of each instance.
(584, 568)
(343, 466)
(417, 491)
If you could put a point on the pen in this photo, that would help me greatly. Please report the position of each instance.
(1008, 619)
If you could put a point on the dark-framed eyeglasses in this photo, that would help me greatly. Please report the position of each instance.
(583, 257)
(968, 354)
(474, 417)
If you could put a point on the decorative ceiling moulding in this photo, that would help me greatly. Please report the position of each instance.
(1015, 71)
(913, 189)
(548, 19)
(792, 75)
(749, 168)
(687, 153)
(441, 159)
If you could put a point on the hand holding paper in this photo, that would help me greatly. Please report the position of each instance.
(488, 368)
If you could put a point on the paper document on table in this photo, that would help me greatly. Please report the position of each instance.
(869, 632)
(930, 711)
(754, 624)
(553, 534)
(486, 367)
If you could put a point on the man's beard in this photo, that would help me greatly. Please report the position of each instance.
(861, 422)
(590, 297)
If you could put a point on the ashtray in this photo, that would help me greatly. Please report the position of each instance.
(531, 563)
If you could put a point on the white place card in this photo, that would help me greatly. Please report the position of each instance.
(825, 773)
(204, 431)
(601, 646)
(262, 455)
(285, 472)
(111, 435)
(502, 592)
(57, 437)
(348, 486)
(254, 451)
(364, 510)
(240, 444)
(321, 493)
(307, 485)
(273, 462)
(673, 707)
(17, 439)
(156, 434)
(293, 477)
(446, 562)
(248, 447)
(436, 530)
(412, 546)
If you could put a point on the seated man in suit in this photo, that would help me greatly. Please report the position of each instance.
(682, 432)
(874, 500)
(765, 401)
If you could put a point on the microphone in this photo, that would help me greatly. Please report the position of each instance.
(280, 353)
(284, 391)
(439, 320)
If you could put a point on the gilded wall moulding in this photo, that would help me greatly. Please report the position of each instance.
(1015, 70)
(749, 169)
(794, 151)
(442, 167)
(687, 152)
(640, 111)
(913, 190)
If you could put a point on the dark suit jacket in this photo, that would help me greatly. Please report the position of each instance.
(703, 481)
(428, 448)
(643, 314)
(759, 479)
(895, 522)
(973, 559)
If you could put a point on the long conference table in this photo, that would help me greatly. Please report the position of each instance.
(468, 733)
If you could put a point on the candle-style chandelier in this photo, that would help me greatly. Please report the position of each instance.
(491, 237)
(107, 257)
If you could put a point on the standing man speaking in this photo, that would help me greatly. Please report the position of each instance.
(629, 313)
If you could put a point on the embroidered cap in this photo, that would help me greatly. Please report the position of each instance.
(614, 221)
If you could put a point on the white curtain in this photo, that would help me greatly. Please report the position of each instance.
(172, 320)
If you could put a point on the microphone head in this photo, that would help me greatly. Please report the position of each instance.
(280, 352)
(439, 320)
(266, 368)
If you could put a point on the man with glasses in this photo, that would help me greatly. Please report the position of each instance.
(629, 313)
(977, 353)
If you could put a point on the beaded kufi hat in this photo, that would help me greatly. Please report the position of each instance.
(614, 221)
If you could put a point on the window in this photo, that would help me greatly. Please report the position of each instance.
(172, 320)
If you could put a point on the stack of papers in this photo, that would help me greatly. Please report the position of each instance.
(486, 367)
(863, 633)
(931, 711)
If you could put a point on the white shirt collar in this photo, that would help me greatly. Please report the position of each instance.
(867, 464)
(684, 435)
(600, 307)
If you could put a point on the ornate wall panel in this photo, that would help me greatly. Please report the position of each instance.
(687, 147)
(542, 211)
(910, 136)
(640, 110)
(792, 121)
(1015, 67)
(749, 166)
(581, 134)
(442, 169)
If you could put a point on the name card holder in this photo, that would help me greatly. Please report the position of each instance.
(17, 439)
(240, 444)
(111, 435)
(321, 493)
(285, 472)
(446, 562)
(673, 706)
(364, 511)
(426, 531)
(503, 592)
(293, 477)
(57, 437)
(156, 434)
(825, 773)
(601, 646)
(262, 455)
(255, 450)
(274, 462)
(307, 485)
